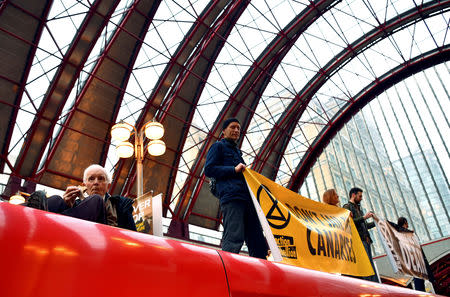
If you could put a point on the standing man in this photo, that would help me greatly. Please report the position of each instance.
(224, 163)
(98, 206)
(359, 218)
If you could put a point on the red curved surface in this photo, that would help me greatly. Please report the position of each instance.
(46, 254)
(254, 277)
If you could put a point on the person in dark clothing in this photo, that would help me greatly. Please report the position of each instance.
(98, 206)
(359, 218)
(419, 283)
(224, 163)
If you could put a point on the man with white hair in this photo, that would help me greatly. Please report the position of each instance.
(98, 206)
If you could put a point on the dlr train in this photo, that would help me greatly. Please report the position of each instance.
(51, 255)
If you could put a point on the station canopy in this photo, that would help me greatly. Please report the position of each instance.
(293, 72)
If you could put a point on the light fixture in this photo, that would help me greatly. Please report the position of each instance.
(124, 149)
(16, 199)
(156, 147)
(154, 130)
(121, 131)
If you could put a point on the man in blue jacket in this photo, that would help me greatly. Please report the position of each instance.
(98, 206)
(224, 163)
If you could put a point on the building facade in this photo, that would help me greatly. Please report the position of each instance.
(396, 151)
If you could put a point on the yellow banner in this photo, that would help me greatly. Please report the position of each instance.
(309, 234)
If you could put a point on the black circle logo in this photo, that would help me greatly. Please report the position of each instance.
(274, 216)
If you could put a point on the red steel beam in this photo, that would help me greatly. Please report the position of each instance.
(213, 44)
(126, 168)
(408, 68)
(245, 97)
(71, 66)
(41, 9)
(279, 137)
(192, 77)
(142, 11)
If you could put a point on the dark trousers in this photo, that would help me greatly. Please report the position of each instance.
(419, 284)
(373, 277)
(91, 208)
(240, 223)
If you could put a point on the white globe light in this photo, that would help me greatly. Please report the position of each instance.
(156, 147)
(154, 130)
(121, 132)
(16, 199)
(124, 150)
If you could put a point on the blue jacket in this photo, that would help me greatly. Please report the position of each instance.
(221, 159)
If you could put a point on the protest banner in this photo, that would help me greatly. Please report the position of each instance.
(147, 213)
(403, 250)
(307, 233)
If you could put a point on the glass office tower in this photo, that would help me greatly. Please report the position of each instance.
(396, 149)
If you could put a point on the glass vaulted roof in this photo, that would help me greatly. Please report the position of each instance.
(288, 69)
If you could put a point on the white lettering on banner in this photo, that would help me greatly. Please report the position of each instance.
(405, 250)
(141, 206)
(413, 260)
(145, 204)
(137, 216)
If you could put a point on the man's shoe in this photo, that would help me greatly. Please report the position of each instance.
(37, 200)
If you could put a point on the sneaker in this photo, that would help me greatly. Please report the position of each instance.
(37, 200)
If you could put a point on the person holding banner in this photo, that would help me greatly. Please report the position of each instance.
(359, 218)
(402, 226)
(224, 163)
(330, 197)
(98, 206)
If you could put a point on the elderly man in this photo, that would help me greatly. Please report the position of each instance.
(98, 206)
(240, 222)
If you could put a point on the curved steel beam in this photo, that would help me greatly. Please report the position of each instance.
(21, 26)
(242, 104)
(84, 136)
(56, 96)
(178, 108)
(389, 79)
(184, 100)
(192, 86)
(270, 155)
(124, 172)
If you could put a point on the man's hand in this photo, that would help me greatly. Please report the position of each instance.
(71, 193)
(368, 215)
(375, 217)
(239, 168)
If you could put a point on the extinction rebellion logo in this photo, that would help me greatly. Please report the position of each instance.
(274, 216)
(278, 220)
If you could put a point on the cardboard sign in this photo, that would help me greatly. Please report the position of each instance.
(147, 214)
